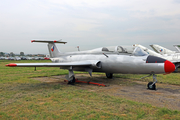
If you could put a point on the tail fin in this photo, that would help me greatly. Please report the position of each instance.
(161, 50)
(177, 47)
(53, 50)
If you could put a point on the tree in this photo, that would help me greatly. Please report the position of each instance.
(21, 53)
(1, 54)
(12, 54)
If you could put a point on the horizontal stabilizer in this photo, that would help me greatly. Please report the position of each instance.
(46, 41)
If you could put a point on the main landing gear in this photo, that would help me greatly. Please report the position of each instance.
(71, 79)
(152, 85)
(72, 82)
(109, 75)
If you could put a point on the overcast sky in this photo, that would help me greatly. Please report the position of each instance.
(87, 23)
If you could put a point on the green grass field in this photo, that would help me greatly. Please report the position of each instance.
(22, 97)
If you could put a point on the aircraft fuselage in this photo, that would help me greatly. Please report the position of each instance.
(115, 63)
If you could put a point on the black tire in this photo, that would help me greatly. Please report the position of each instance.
(150, 86)
(71, 82)
(109, 75)
(176, 70)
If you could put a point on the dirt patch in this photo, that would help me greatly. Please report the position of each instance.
(165, 96)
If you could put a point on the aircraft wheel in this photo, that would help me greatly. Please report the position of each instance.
(176, 70)
(71, 82)
(109, 75)
(150, 86)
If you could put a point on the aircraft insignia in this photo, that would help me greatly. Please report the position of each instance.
(52, 48)
(161, 50)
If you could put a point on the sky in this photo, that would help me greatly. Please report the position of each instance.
(88, 24)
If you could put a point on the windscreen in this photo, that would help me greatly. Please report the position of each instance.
(139, 52)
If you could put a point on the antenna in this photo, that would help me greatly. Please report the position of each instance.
(78, 48)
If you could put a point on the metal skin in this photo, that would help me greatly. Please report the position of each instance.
(166, 53)
(161, 50)
(171, 56)
(116, 63)
(102, 60)
(177, 47)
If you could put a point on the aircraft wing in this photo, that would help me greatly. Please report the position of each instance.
(87, 63)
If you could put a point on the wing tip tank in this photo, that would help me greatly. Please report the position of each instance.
(32, 41)
(11, 65)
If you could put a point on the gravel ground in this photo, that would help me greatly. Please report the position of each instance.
(166, 95)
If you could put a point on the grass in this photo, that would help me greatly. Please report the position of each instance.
(21, 97)
(172, 78)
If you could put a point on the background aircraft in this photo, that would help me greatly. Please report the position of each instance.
(113, 59)
(177, 47)
(173, 57)
(163, 50)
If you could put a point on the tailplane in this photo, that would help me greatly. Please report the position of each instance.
(53, 50)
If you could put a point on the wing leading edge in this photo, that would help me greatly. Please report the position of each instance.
(90, 63)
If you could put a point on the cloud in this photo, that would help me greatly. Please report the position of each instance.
(87, 23)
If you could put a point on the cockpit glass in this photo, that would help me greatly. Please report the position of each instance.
(119, 49)
(136, 51)
(139, 52)
(128, 49)
(109, 49)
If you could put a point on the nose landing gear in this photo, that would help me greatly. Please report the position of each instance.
(152, 85)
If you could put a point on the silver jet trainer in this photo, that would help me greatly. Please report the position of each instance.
(109, 60)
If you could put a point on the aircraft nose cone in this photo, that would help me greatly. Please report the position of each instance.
(169, 67)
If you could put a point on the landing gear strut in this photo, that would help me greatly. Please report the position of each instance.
(152, 85)
(70, 77)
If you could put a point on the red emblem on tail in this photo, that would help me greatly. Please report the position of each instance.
(52, 48)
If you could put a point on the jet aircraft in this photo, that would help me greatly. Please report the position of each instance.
(177, 47)
(109, 60)
(171, 56)
(162, 50)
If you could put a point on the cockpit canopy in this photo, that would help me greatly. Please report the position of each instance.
(136, 51)
(119, 49)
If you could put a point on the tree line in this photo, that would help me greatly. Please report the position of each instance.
(11, 54)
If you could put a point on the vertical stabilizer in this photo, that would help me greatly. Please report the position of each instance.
(53, 50)
(177, 47)
(161, 50)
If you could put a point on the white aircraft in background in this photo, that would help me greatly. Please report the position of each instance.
(163, 50)
(171, 56)
(109, 60)
(177, 47)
